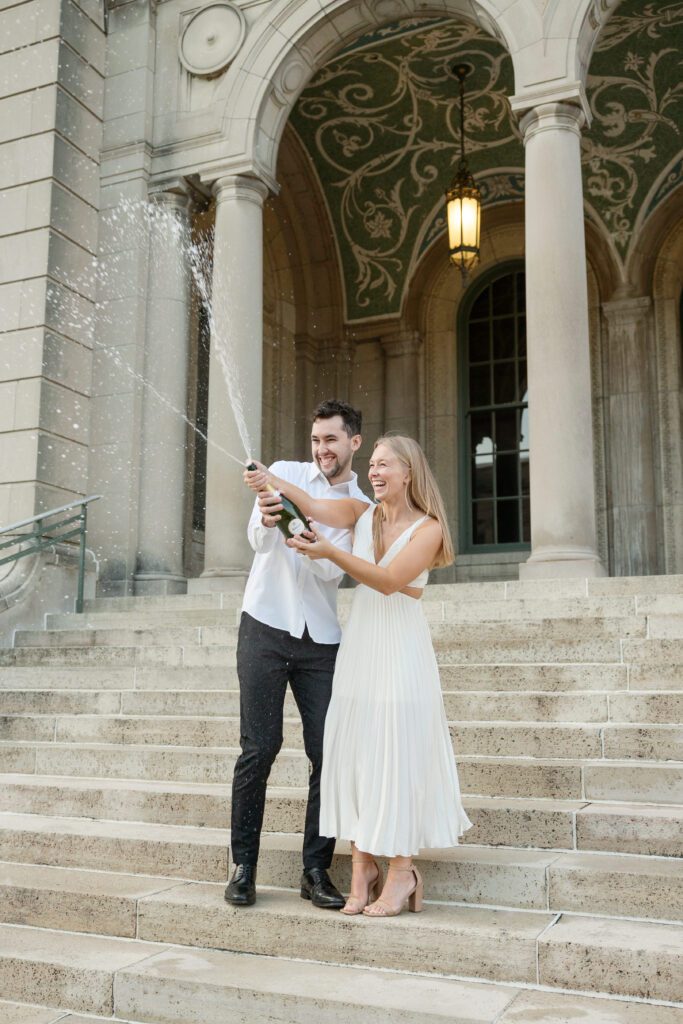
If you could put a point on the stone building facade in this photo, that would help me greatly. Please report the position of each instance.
(296, 152)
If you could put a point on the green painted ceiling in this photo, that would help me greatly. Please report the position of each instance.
(380, 124)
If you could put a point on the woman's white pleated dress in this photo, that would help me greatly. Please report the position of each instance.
(389, 780)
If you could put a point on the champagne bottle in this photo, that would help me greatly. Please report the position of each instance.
(292, 520)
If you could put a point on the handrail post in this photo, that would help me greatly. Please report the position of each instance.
(81, 560)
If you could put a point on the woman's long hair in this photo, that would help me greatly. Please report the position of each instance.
(422, 492)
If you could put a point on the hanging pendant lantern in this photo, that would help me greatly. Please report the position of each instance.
(463, 198)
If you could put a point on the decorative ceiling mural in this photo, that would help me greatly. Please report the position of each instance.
(632, 152)
(380, 124)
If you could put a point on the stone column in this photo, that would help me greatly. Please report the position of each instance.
(236, 356)
(563, 520)
(630, 456)
(402, 382)
(159, 567)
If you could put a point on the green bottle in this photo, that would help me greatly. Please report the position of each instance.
(292, 520)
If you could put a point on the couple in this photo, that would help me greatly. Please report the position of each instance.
(387, 780)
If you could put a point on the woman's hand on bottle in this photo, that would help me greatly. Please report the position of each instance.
(312, 544)
(258, 479)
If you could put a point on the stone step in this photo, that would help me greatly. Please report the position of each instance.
(667, 653)
(213, 986)
(480, 775)
(546, 824)
(534, 739)
(614, 885)
(628, 958)
(541, 651)
(56, 702)
(665, 627)
(73, 899)
(662, 708)
(551, 678)
(442, 632)
(435, 611)
(500, 945)
(42, 839)
(497, 945)
(460, 706)
(74, 971)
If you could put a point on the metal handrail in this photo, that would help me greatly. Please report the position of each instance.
(42, 536)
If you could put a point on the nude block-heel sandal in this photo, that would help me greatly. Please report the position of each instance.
(413, 901)
(374, 889)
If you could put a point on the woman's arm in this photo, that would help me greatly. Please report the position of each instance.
(342, 513)
(418, 555)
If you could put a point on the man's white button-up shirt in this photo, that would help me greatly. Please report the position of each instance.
(286, 590)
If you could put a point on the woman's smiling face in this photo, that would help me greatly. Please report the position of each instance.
(387, 474)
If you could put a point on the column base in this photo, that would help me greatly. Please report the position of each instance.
(151, 584)
(217, 581)
(562, 564)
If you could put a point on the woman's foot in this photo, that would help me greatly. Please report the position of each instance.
(403, 885)
(366, 881)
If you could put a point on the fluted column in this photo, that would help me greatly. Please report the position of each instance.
(563, 519)
(402, 382)
(164, 439)
(630, 455)
(237, 357)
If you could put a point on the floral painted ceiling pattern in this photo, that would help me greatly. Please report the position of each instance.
(381, 125)
(635, 88)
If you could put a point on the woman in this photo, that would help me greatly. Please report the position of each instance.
(389, 782)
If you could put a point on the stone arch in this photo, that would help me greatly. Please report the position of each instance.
(580, 25)
(290, 42)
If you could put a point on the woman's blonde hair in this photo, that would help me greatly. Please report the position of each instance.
(422, 492)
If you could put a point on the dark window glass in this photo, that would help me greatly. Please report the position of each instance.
(497, 424)
(521, 335)
(482, 522)
(504, 383)
(507, 475)
(482, 477)
(480, 385)
(507, 438)
(504, 338)
(507, 518)
(503, 295)
(481, 435)
(526, 521)
(521, 293)
(481, 307)
(479, 342)
(521, 375)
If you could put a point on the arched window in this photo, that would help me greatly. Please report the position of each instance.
(494, 422)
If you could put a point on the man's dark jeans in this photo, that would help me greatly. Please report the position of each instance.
(267, 659)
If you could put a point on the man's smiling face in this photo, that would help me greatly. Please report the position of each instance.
(332, 448)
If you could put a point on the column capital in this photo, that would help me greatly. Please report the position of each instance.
(552, 117)
(240, 186)
(401, 343)
(175, 195)
(624, 311)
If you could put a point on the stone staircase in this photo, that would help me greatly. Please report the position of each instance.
(118, 732)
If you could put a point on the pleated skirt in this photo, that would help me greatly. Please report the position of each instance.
(389, 779)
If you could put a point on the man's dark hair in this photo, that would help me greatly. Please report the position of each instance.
(351, 418)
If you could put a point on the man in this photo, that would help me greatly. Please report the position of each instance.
(289, 633)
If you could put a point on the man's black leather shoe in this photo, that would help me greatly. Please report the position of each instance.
(241, 889)
(317, 887)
